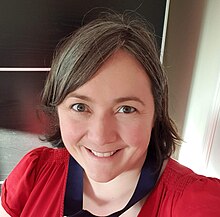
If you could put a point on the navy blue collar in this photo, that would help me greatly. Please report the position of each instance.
(74, 188)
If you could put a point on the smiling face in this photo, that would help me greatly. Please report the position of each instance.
(106, 123)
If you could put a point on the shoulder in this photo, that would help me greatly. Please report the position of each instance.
(40, 156)
(35, 161)
(46, 153)
(34, 169)
(182, 177)
(196, 195)
(181, 192)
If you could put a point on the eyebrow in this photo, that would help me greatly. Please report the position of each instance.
(118, 100)
(129, 98)
(79, 97)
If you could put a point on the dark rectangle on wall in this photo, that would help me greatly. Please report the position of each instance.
(20, 100)
(31, 29)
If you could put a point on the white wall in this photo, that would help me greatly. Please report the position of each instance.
(194, 80)
(183, 31)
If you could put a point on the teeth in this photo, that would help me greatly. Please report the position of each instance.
(104, 154)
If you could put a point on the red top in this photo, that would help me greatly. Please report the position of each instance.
(36, 187)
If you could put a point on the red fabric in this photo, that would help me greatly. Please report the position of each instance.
(36, 187)
(37, 184)
(182, 193)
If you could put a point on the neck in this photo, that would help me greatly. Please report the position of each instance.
(105, 198)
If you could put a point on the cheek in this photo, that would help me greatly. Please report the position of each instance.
(137, 135)
(71, 132)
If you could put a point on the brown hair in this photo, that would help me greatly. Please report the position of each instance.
(82, 54)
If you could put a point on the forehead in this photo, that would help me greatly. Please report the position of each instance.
(122, 63)
(121, 75)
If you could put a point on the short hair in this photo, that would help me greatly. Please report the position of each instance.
(83, 53)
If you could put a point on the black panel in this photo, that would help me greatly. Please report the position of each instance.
(19, 100)
(31, 29)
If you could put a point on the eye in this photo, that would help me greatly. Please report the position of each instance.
(126, 109)
(79, 107)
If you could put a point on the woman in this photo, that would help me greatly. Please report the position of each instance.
(106, 97)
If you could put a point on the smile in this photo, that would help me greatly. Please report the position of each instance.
(103, 154)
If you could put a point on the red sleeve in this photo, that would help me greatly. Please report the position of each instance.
(200, 199)
(19, 184)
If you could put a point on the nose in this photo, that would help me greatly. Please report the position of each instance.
(102, 130)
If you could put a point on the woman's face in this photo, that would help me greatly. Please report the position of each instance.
(106, 123)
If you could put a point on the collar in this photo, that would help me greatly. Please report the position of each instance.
(73, 202)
